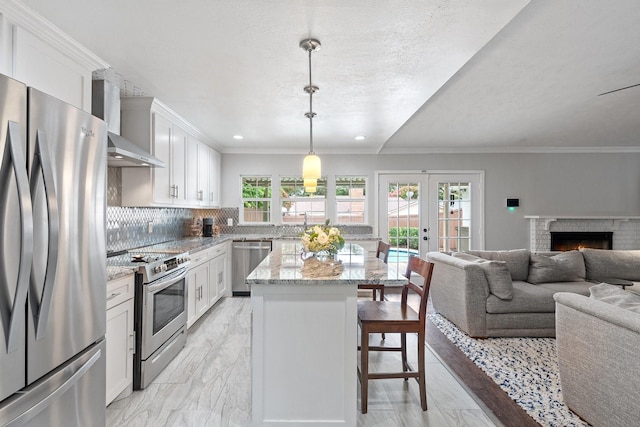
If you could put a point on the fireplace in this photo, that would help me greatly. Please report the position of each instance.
(570, 240)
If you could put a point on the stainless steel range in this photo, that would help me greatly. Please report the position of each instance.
(160, 310)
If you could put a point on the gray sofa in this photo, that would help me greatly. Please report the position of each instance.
(510, 293)
(597, 343)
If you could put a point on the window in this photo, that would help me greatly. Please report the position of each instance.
(351, 199)
(256, 199)
(295, 202)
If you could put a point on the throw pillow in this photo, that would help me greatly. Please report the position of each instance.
(564, 267)
(616, 296)
(496, 273)
(517, 260)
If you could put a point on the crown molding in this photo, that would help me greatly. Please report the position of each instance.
(510, 150)
(19, 14)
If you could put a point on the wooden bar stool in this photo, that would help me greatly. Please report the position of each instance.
(393, 317)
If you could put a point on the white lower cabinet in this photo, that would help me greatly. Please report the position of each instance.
(120, 337)
(198, 293)
(208, 280)
(218, 277)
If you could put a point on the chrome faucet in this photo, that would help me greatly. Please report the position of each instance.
(305, 221)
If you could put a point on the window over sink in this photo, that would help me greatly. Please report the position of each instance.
(295, 202)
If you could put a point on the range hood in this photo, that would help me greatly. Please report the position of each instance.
(105, 104)
(124, 153)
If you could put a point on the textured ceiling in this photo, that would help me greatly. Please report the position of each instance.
(413, 76)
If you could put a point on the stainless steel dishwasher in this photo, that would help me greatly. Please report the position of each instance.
(246, 256)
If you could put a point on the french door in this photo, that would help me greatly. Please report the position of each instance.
(423, 212)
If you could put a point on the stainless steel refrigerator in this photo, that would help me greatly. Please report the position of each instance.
(52, 261)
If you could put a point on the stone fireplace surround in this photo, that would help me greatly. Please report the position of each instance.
(626, 229)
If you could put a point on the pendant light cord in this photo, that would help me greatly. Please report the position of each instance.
(311, 113)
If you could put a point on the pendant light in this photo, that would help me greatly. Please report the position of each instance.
(311, 167)
(310, 185)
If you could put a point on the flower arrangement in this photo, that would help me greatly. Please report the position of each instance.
(321, 238)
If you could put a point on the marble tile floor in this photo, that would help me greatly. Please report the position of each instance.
(208, 384)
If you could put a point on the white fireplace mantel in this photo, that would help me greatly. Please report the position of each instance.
(548, 219)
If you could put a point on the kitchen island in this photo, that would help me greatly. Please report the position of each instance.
(304, 335)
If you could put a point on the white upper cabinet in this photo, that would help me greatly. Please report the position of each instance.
(37, 53)
(177, 166)
(148, 123)
(204, 168)
(214, 178)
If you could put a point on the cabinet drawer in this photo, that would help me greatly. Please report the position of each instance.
(198, 258)
(217, 250)
(120, 290)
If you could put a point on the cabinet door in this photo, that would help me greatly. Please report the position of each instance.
(192, 296)
(119, 338)
(192, 173)
(214, 178)
(204, 160)
(202, 284)
(217, 278)
(162, 186)
(223, 276)
(178, 178)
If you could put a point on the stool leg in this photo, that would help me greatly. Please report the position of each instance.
(364, 368)
(403, 346)
(421, 372)
(382, 299)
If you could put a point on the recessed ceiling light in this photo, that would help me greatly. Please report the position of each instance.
(118, 156)
(238, 137)
(360, 138)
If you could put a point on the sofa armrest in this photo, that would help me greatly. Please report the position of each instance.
(459, 291)
(598, 363)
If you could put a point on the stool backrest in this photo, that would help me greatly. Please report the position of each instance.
(383, 251)
(418, 267)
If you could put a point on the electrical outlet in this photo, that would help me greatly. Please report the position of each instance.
(150, 227)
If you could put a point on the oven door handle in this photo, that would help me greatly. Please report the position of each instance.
(166, 281)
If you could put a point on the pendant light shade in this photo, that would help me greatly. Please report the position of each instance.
(310, 182)
(310, 189)
(311, 167)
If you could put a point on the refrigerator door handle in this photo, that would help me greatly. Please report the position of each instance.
(40, 304)
(12, 315)
(66, 379)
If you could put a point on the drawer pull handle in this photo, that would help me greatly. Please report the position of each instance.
(112, 296)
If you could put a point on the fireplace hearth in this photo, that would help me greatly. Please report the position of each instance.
(571, 240)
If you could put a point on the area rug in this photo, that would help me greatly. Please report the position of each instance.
(525, 368)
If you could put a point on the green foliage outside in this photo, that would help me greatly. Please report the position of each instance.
(404, 237)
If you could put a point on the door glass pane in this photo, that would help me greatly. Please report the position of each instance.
(403, 217)
(454, 216)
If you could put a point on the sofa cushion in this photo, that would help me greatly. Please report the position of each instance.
(563, 267)
(517, 260)
(616, 296)
(617, 264)
(581, 288)
(496, 272)
(527, 298)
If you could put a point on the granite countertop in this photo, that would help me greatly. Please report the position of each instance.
(197, 244)
(114, 273)
(284, 266)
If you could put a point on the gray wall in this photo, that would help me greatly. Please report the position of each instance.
(547, 184)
